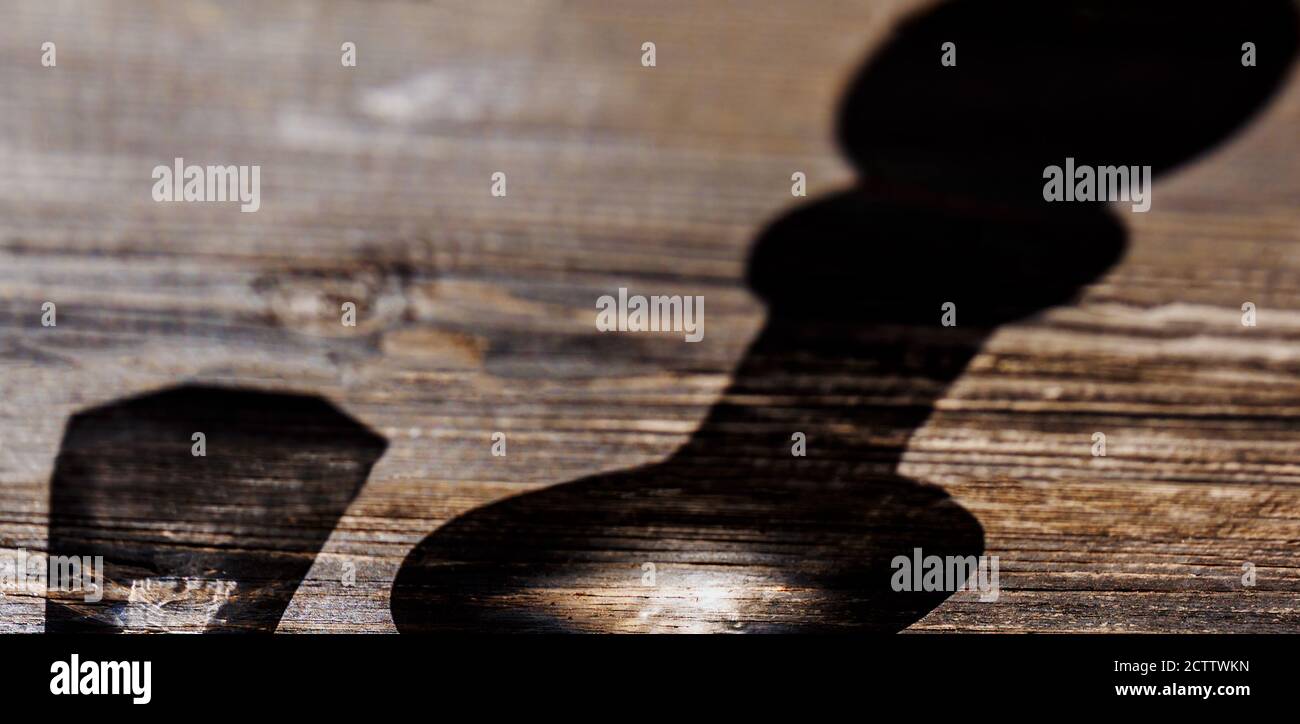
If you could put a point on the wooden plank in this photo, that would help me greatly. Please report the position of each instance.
(477, 312)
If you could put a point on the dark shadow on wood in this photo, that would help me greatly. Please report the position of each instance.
(217, 543)
(1104, 81)
(744, 536)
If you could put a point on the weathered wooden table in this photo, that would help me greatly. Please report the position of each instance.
(477, 310)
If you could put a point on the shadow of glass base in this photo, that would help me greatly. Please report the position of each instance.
(686, 546)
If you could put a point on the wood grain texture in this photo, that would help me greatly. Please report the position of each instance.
(477, 312)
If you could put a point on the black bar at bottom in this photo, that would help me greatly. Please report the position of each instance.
(377, 673)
